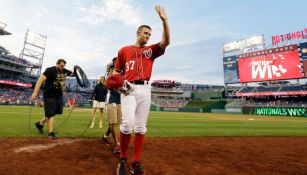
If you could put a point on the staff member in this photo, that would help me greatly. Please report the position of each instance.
(54, 78)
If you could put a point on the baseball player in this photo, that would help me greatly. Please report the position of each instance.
(136, 61)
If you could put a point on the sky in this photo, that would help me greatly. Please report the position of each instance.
(89, 33)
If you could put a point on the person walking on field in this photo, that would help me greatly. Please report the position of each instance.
(114, 113)
(114, 118)
(136, 61)
(99, 97)
(54, 78)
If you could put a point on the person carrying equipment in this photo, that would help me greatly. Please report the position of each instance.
(53, 79)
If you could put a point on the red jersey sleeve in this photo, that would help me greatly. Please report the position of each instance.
(156, 50)
(119, 64)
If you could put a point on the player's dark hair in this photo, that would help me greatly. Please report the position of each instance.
(144, 26)
(60, 61)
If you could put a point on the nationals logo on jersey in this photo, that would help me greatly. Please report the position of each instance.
(147, 53)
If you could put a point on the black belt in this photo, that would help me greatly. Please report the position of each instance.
(139, 82)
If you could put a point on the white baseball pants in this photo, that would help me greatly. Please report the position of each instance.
(135, 109)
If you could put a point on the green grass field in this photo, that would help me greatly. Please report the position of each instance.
(14, 122)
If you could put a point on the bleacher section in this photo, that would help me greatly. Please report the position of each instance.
(267, 89)
(273, 90)
(7, 57)
(246, 90)
(166, 93)
(208, 94)
(14, 70)
(294, 88)
(13, 95)
(170, 99)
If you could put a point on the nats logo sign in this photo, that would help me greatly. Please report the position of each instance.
(147, 53)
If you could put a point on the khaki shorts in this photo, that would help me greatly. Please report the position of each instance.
(114, 113)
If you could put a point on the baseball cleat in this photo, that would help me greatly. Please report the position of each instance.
(136, 169)
(121, 168)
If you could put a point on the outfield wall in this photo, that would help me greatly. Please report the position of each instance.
(276, 111)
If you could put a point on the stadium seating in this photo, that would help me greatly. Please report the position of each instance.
(294, 88)
(171, 94)
(20, 96)
(285, 88)
(15, 96)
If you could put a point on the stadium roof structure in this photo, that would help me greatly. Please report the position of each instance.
(2, 31)
(165, 83)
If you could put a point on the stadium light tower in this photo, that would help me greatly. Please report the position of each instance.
(34, 50)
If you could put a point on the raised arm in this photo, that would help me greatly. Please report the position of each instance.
(166, 33)
(38, 85)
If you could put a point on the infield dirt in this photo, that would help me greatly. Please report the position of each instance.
(162, 156)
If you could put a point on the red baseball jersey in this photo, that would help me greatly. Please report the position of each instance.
(136, 62)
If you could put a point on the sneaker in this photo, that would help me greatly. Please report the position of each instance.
(116, 149)
(51, 135)
(92, 125)
(105, 141)
(136, 169)
(100, 125)
(121, 168)
(39, 127)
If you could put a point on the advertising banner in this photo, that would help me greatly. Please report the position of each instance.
(273, 64)
(283, 93)
(277, 111)
(236, 110)
(180, 109)
(289, 36)
(230, 65)
(15, 83)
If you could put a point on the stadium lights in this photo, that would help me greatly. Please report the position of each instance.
(36, 39)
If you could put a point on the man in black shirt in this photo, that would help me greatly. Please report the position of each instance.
(54, 78)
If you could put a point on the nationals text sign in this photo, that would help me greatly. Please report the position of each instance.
(289, 36)
(272, 64)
